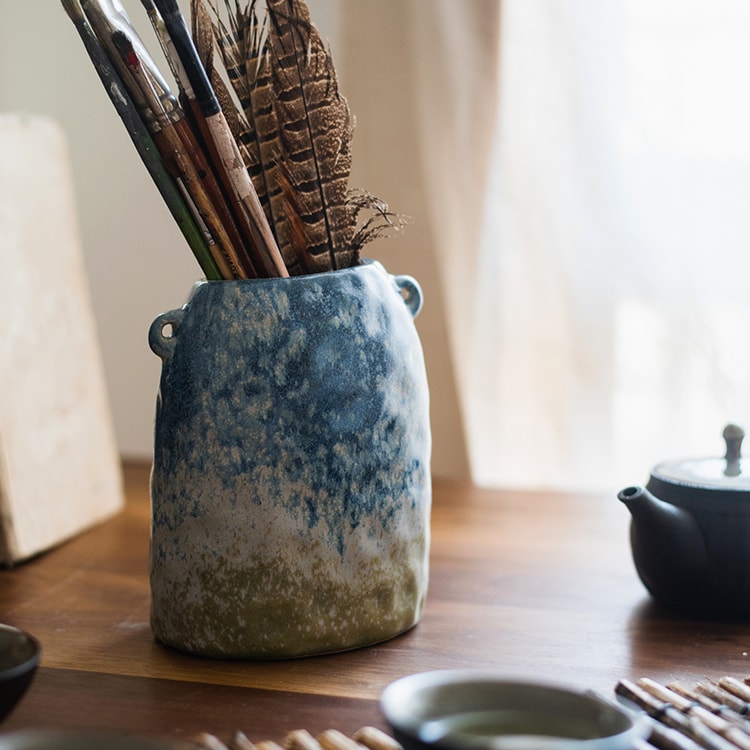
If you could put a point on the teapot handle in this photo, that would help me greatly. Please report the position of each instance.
(411, 292)
(162, 344)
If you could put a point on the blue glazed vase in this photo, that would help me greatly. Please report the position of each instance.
(291, 480)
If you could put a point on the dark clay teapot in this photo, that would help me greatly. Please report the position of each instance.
(690, 532)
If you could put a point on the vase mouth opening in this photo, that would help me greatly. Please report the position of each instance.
(362, 263)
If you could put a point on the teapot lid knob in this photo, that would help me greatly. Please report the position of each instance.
(733, 436)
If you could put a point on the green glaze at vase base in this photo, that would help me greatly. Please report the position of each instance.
(300, 618)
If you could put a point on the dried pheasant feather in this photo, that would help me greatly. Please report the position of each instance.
(314, 128)
(240, 41)
(296, 129)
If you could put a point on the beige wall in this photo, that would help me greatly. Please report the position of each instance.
(137, 262)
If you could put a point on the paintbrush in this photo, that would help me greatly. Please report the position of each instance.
(179, 161)
(219, 134)
(142, 140)
(153, 96)
(166, 43)
(104, 21)
(197, 135)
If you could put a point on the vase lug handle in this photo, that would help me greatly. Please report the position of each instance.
(162, 343)
(411, 292)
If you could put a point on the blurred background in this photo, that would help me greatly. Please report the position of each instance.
(578, 176)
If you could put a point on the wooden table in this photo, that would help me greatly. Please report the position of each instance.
(532, 585)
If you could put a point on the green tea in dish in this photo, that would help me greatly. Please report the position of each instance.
(470, 725)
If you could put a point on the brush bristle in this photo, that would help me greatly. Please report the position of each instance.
(168, 7)
(74, 10)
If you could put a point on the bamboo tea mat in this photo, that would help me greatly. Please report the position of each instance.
(366, 738)
(712, 715)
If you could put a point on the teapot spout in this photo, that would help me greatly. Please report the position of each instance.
(643, 504)
(668, 547)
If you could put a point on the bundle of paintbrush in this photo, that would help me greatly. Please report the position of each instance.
(259, 182)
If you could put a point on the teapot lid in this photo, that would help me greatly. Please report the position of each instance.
(731, 472)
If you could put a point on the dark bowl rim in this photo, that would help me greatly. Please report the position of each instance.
(28, 665)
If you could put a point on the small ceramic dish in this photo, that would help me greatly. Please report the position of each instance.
(471, 710)
(19, 658)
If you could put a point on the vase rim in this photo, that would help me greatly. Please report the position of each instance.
(363, 263)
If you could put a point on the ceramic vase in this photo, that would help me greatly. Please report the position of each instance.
(290, 486)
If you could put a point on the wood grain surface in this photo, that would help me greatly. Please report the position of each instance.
(530, 585)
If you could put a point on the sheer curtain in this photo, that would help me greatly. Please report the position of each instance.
(583, 226)
(615, 302)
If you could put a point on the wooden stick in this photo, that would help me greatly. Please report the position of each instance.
(240, 742)
(665, 738)
(301, 739)
(332, 739)
(228, 220)
(717, 707)
(736, 688)
(740, 707)
(209, 742)
(216, 127)
(695, 697)
(715, 723)
(375, 739)
(673, 717)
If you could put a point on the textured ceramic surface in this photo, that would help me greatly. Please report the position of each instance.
(291, 478)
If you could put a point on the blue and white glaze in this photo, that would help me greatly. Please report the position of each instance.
(291, 480)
